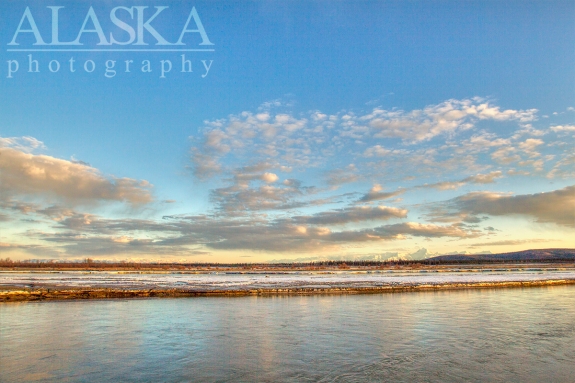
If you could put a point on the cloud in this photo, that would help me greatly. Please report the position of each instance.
(240, 197)
(342, 176)
(529, 152)
(269, 177)
(18, 206)
(310, 139)
(277, 171)
(434, 120)
(565, 167)
(376, 151)
(484, 178)
(563, 128)
(376, 194)
(118, 246)
(245, 178)
(445, 185)
(476, 179)
(480, 142)
(204, 164)
(23, 144)
(509, 242)
(505, 155)
(417, 229)
(419, 254)
(37, 251)
(529, 146)
(351, 214)
(557, 206)
(23, 173)
(286, 139)
(83, 234)
(252, 188)
(253, 150)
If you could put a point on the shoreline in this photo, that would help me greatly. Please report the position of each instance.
(59, 293)
(516, 266)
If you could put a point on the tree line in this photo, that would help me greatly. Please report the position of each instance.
(89, 263)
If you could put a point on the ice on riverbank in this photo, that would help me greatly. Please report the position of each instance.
(240, 282)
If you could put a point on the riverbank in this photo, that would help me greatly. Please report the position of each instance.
(35, 286)
(12, 295)
(280, 268)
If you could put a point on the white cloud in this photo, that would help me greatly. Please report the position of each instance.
(376, 151)
(557, 206)
(476, 179)
(563, 128)
(24, 173)
(338, 177)
(23, 144)
(311, 139)
(351, 214)
(505, 155)
(269, 177)
(530, 144)
(376, 194)
(509, 242)
(425, 230)
(441, 119)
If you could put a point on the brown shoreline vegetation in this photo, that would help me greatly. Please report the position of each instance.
(18, 294)
(518, 259)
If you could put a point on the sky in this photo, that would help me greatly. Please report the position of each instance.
(227, 131)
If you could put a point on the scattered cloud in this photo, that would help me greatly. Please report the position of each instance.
(311, 139)
(426, 230)
(376, 193)
(75, 233)
(509, 242)
(476, 179)
(23, 173)
(434, 120)
(557, 206)
(274, 180)
(23, 144)
(563, 128)
(338, 177)
(351, 214)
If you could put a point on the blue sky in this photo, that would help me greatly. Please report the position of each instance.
(350, 129)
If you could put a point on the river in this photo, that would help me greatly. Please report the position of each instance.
(476, 335)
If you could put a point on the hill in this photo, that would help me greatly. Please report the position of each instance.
(539, 255)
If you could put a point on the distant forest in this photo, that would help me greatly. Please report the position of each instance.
(526, 256)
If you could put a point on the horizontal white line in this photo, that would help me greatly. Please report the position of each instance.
(110, 50)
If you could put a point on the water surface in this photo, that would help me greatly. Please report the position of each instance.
(498, 335)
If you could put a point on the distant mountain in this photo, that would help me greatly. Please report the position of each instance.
(538, 255)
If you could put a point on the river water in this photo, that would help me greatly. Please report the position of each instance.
(487, 335)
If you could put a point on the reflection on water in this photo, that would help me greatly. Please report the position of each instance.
(503, 335)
